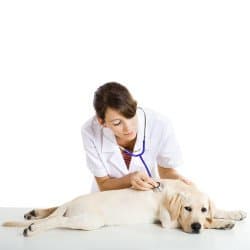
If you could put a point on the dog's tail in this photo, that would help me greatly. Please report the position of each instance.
(58, 212)
(18, 223)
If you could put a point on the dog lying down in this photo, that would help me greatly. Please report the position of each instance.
(177, 205)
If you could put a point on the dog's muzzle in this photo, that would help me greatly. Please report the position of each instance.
(196, 227)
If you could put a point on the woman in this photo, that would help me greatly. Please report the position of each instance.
(119, 125)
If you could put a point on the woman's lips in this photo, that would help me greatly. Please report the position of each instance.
(130, 133)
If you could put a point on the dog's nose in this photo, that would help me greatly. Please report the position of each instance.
(196, 226)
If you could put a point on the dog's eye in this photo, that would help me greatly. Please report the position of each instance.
(189, 209)
(203, 210)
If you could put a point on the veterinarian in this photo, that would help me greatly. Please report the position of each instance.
(120, 125)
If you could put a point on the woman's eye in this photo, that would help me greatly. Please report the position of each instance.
(189, 209)
(117, 124)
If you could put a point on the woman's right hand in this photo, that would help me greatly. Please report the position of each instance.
(141, 181)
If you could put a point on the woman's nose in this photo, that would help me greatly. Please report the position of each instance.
(127, 127)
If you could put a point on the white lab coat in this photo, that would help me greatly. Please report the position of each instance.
(104, 158)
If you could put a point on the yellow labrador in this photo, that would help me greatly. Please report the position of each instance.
(177, 205)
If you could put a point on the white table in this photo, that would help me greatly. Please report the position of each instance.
(134, 237)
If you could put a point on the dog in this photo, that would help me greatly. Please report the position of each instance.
(178, 205)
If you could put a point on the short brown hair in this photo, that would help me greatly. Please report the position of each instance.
(116, 96)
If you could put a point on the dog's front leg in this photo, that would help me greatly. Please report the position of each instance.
(164, 217)
(36, 214)
(84, 222)
(219, 224)
(231, 215)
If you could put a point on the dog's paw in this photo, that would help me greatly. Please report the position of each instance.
(239, 215)
(228, 225)
(31, 215)
(25, 232)
(28, 231)
(165, 225)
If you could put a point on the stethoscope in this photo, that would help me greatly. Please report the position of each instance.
(133, 154)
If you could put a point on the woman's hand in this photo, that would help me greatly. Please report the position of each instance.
(171, 173)
(141, 181)
(185, 180)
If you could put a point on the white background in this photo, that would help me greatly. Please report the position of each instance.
(188, 60)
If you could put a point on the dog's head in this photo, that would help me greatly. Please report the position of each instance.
(191, 210)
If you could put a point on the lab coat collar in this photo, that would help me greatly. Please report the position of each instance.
(109, 146)
(140, 133)
(109, 143)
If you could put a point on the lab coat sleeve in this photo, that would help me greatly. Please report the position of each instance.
(169, 154)
(93, 159)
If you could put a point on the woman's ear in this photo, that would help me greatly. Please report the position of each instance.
(210, 217)
(173, 205)
(101, 121)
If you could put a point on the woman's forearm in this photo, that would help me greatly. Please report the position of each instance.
(171, 173)
(168, 173)
(115, 183)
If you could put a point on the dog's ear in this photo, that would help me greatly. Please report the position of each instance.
(211, 210)
(210, 215)
(173, 205)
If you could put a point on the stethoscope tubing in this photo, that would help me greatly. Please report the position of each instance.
(140, 155)
(143, 147)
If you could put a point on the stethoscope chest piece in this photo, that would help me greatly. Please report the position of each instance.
(159, 188)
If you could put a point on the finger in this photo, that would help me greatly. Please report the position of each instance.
(148, 180)
(153, 183)
(138, 187)
(144, 177)
(186, 181)
(144, 184)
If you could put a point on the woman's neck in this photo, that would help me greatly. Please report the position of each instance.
(127, 144)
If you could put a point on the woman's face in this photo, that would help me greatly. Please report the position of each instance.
(123, 128)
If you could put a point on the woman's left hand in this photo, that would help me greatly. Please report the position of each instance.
(185, 180)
